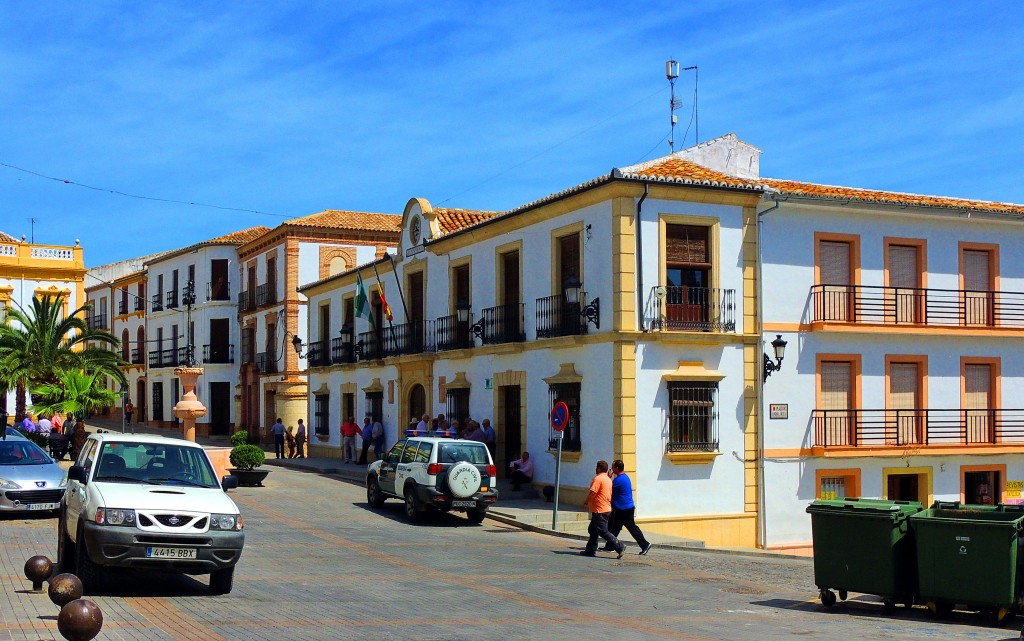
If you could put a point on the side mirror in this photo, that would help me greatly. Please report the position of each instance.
(78, 473)
(229, 482)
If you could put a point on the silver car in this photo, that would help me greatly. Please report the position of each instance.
(29, 479)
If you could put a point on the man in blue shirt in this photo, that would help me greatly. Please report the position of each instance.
(623, 508)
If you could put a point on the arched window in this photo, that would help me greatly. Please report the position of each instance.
(338, 265)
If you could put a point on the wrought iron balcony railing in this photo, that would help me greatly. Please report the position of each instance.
(219, 353)
(370, 346)
(503, 324)
(916, 306)
(172, 299)
(248, 353)
(449, 333)
(140, 303)
(137, 356)
(246, 301)
(266, 362)
(342, 352)
(318, 354)
(694, 309)
(172, 357)
(917, 427)
(122, 307)
(558, 317)
(266, 294)
(156, 304)
(220, 290)
(413, 337)
(97, 321)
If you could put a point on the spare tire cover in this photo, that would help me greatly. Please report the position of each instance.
(463, 480)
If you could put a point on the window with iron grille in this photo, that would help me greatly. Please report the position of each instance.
(158, 401)
(568, 393)
(375, 406)
(321, 414)
(458, 406)
(693, 417)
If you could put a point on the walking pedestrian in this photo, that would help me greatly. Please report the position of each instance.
(301, 436)
(349, 429)
(624, 509)
(277, 429)
(599, 504)
(367, 434)
(129, 409)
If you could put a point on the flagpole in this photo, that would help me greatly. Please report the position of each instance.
(377, 274)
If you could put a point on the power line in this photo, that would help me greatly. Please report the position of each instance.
(117, 192)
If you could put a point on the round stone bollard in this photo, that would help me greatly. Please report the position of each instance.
(37, 570)
(80, 620)
(65, 588)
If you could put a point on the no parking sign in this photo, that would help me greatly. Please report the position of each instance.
(559, 416)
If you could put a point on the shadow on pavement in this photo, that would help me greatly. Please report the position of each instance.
(129, 583)
(395, 511)
(870, 607)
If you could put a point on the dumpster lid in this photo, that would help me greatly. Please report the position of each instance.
(864, 506)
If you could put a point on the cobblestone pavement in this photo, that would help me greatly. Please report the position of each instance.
(319, 564)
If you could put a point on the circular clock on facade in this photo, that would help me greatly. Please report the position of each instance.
(415, 230)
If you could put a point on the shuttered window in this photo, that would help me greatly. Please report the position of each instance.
(905, 276)
(904, 397)
(686, 244)
(835, 263)
(836, 424)
(978, 282)
(978, 402)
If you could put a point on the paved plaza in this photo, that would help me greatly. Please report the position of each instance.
(319, 564)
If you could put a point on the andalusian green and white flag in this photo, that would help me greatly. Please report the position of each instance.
(362, 303)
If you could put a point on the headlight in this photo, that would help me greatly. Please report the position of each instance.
(115, 516)
(226, 522)
(9, 485)
(64, 482)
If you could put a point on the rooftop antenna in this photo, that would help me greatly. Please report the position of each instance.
(671, 73)
(33, 222)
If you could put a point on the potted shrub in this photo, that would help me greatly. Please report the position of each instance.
(246, 457)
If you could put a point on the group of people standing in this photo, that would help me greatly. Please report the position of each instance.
(372, 435)
(469, 429)
(294, 439)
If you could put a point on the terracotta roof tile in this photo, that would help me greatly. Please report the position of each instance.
(452, 220)
(672, 169)
(887, 197)
(7, 238)
(241, 236)
(350, 220)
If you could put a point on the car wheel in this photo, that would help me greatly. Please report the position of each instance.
(374, 496)
(476, 516)
(413, 512)
(221, 580)
(90, 573)
(65, 548)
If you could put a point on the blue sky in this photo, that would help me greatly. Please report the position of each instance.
(291, 109)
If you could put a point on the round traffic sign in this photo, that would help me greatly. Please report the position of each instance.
(559, 416)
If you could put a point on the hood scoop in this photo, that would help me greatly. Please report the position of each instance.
(178, 492)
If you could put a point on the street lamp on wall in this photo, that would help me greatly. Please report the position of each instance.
(779, 348)
(462, 309)
(297, 344)
(348, 333)
(591, 312)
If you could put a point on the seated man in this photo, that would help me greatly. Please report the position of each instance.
(522, 471)
(58, 444)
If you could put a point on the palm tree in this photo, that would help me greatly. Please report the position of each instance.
(73, 394)
(37, 345)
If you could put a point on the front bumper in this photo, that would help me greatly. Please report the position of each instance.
(24, 500)
(125, 547)
(432, 497)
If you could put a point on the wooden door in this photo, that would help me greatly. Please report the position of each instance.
(219, 280)
(511, 425)
(220, 408)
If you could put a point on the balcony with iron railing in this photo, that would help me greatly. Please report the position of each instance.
(219, 353)
(218, 291)
(451, 333)
(172, 357)
(248, 353)
(96, 321)
(318, 354)
(122, 307)
(246, 301)
(878, 305)
(414, 337)
(694, 309)
(137, 356)
(370, 346)
(558, 317)
(140, 303)
(266, 362)
(172, 299)
(502, 324)
(266, 294)
(342, 351)
(906, 428)
(156, 303)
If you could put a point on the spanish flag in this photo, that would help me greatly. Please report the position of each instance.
(384, 303)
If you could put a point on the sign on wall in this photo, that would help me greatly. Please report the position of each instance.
(1013, 492)
(778, 411)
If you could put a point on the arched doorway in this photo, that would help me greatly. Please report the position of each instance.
(417, 403)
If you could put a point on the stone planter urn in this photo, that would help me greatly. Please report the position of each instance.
(188, 409)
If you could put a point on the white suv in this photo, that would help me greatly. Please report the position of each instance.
(150, 503)
(440, 473)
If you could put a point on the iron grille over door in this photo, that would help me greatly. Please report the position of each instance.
(458, 406)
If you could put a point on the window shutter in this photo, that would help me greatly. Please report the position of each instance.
(836, 384)
(904, 383)
(976, 271)
(686, 244)
(835, 263)
(903, 266)
(977, 387)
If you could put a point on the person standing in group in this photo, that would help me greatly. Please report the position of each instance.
(44, 425)
(599, 504)
(78, 441)
(277, 429)
(57, 422)
(379, 435)
(424, 425)
(349, 429)
(367, 434)
(490, 438)
(300, 440)
(442, 424)
(624, 509)
(129, 409)
(476, 433)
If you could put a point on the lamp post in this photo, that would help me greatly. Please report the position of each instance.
(779, 348)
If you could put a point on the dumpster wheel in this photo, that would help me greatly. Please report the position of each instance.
(939, 610)
(1000, 616)
(842, 595)
(889, 605)
(828, 598)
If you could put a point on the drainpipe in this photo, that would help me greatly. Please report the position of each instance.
(640, 259)
(762, 529)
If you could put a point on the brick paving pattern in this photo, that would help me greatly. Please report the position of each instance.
(319, 564)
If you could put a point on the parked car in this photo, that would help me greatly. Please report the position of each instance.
(435, 473)
(149, 503)
(29, 479)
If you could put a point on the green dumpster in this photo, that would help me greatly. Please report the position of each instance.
(864, 545)
(968, 555)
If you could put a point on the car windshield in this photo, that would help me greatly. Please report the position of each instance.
(455, 453)
(22, 453)
(159, 463)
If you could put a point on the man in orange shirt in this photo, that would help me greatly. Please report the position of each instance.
(599, 503)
